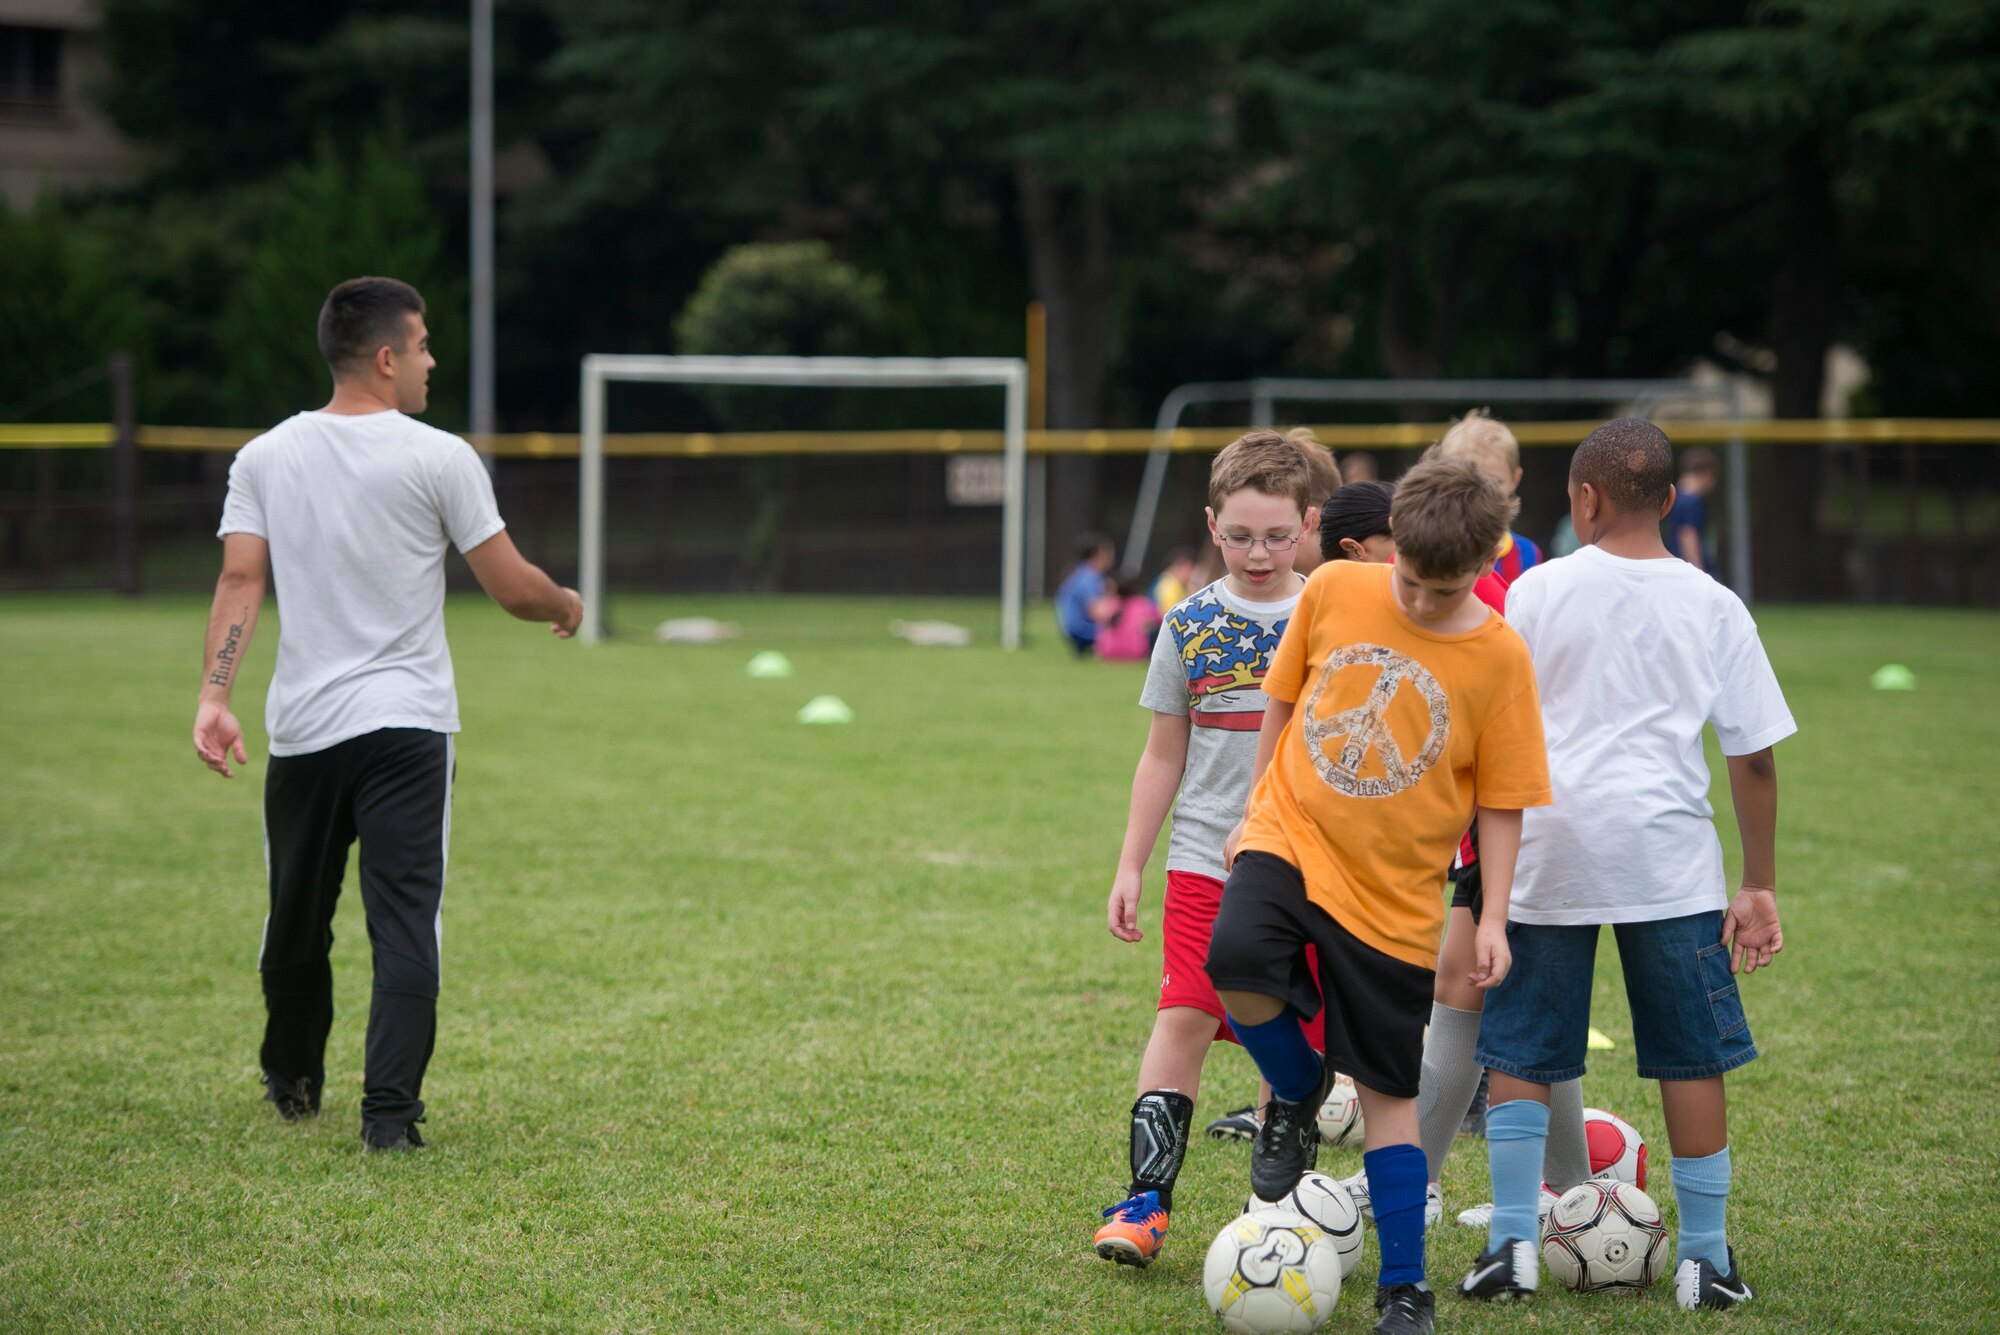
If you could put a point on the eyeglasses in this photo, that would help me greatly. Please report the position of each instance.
(1243, 542)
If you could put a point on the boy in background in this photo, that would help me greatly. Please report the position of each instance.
(1081, 590)
(1487, 441)
(1635, 653)
(1687, 518)
(1203, 688)
(1398, 701)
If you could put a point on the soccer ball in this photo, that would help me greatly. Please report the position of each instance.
(1605, 1237)
(1325, 1203)
(1340, 1116)
(1271, 1271)
(1617, 1150)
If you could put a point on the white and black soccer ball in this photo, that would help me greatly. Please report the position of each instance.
(1340, 1116)
(1605, 1237)
(1271, 1271)
(1322, 1201)
(1617, 1150)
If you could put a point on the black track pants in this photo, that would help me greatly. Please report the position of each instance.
(392, 791)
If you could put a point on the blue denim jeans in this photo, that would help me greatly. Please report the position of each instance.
(1687, 1018)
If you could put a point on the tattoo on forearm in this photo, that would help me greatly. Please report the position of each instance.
(225, 657)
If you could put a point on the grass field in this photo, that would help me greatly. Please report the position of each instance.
(753, 1026)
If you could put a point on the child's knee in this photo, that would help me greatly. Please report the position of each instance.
(1251, 1007)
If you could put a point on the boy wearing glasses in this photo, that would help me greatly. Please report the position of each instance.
(1204, 687)
(1399, 704)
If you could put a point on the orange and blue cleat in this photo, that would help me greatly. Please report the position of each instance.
(1138, 1226)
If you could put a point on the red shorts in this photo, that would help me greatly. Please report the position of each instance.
(1187, 920)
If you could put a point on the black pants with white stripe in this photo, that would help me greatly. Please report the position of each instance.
(391, 790)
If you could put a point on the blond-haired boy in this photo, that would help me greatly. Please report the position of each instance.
(1486, 440)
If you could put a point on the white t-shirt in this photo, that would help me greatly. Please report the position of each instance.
(358, 511)
(1633, 658)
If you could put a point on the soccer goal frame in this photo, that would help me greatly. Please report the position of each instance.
(1265, 393)
(1009, 374)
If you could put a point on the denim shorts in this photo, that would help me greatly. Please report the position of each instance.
(1687, 1018)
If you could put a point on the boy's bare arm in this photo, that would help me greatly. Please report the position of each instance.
(1751, 925)
(1499, 847)
(1277, 718)
(232, 620)
(1154, 784)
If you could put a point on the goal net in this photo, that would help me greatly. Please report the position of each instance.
(1010, 375)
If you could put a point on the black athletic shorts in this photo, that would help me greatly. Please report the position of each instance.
(1376, 1004)
(1465, 890)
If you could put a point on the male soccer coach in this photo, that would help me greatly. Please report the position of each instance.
(350, 509)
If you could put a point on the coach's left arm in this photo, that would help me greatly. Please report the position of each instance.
(232, 620)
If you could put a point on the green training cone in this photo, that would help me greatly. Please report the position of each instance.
(1893, 677)
(770, 666)
(826, 709)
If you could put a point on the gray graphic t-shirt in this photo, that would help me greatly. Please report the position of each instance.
(1208, 664)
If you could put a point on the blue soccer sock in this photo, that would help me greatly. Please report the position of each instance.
(1397, 1176)
(1516, 1133)
(1701, 1189)
(1282, 1054)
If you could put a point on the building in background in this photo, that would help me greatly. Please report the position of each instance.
(52, 136)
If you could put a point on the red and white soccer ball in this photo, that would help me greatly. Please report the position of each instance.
(1322, 1201)
(1617, 1150)
(1604, 1237)
(1340, 1116)
(1271, 1271)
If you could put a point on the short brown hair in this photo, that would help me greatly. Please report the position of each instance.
(1629, 461)
(1479, 434)
(1264, 461)
(362, 315)
(1319, 462)
(1448, 516)
(1698, 460)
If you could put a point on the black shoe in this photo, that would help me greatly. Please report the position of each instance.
(403, 1138)
(1236, 1124)
(1698, 1283)
(1475, 1116)
(295, 1100)
(1503, 1274)
(1286, 1146)
(1407, 1309)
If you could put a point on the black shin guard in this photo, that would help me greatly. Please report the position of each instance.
(1161, 1120)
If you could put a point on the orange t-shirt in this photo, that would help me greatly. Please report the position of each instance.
(1398, 731)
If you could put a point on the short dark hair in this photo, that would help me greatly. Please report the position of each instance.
(1091, 543)
(1629, 461)
(1698, 460)
(1359, 510)
(361, 315)
(1448, 516)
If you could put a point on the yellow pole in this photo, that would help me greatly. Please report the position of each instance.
(1038, 367)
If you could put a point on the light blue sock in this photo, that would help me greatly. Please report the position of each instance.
(1516, 1133)
(1701, 1189)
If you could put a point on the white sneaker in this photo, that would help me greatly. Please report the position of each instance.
(1357, 1187)
(1479, 1216)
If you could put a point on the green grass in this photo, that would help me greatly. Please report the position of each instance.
(748, 1025)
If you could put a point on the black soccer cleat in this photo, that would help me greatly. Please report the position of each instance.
(401, 1140)
(1507, 1273)
(1406, 1309)
(1286, 1146)
(1236, 1124)
(1697, 1284)
(295, 1100)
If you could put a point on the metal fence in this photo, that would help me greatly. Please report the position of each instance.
(1906, 511)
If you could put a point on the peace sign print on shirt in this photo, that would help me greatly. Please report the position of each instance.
(1365, 728)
